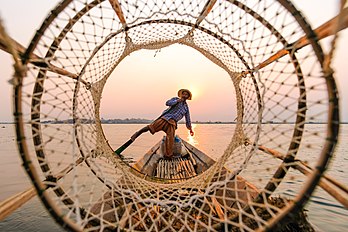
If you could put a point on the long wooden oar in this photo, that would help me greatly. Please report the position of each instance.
(12, 203)
(123, 147)
(130, 141)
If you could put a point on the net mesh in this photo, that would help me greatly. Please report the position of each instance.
(280, 88)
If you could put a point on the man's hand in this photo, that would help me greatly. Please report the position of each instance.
(191, 132)
(180, 100)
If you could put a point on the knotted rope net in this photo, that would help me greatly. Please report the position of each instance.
(281, 86)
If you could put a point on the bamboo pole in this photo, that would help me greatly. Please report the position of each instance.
(9, 205)
(213, 209)
(125, 216)
(218, 208)
(7, 43)
(159, 174)
(35, 59)
(331, 186)
(175, 165)
(166, 176)
(189, 174)
(188, 168)
(186, 173)
(162, 169)
(326, 184)
(172, 169)
(158, 169)
(11, 46)
(191, 157)
(118, 10)
(325, 30)
(206, 10)
(179, 170)
(191, 168)
(169, 170)
(181, 174)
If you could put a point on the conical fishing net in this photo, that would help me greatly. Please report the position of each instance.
(281, 87)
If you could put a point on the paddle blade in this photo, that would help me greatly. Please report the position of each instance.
(123, 147)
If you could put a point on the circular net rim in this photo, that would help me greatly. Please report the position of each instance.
(332, 131)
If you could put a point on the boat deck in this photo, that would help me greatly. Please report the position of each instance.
(123, 211)
(177, 168)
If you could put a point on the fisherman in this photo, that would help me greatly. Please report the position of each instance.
(167, 122)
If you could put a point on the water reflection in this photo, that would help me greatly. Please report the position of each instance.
(192, 139)
(212, 139)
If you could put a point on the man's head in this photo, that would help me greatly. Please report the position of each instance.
(185, 94)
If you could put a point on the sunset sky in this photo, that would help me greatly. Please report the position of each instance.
(131, 97)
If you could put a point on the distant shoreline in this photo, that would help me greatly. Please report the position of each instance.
(146, 121)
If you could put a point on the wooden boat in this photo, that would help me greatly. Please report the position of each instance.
(187, 163)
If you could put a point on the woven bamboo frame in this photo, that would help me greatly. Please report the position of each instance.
(311, 39)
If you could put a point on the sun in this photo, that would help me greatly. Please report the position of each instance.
(195, 90)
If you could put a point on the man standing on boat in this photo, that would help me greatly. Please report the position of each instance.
(167, 122)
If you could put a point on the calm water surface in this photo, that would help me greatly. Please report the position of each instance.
(323, 211)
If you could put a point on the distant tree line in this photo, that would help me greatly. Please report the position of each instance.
(147, 121)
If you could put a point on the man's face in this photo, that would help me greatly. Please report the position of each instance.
(185, 95)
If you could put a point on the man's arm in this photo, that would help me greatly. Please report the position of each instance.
(188, 122)
(172, 101)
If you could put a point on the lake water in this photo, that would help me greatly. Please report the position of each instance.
(324, 212)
